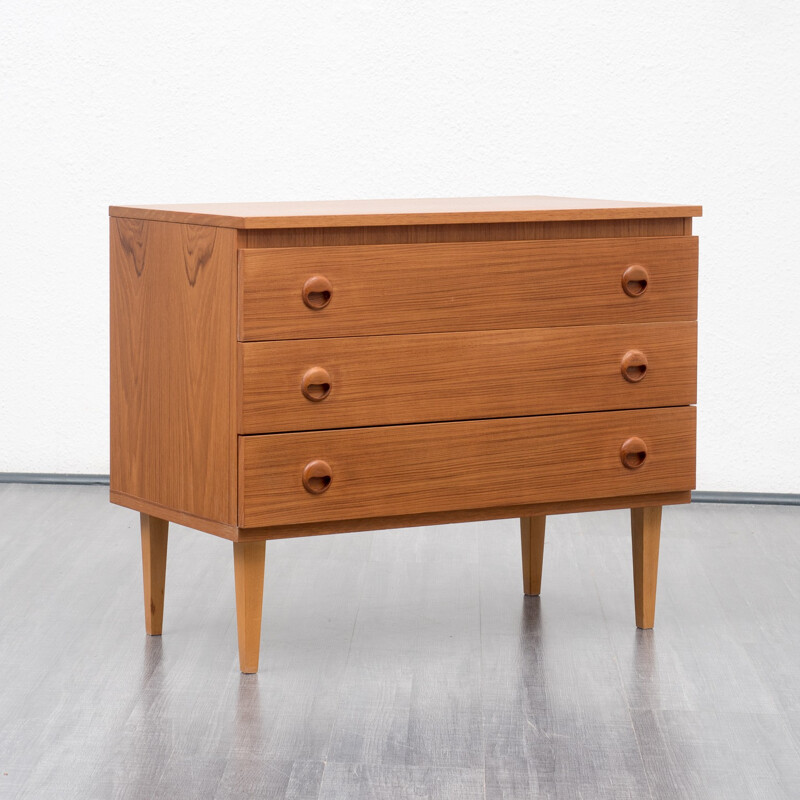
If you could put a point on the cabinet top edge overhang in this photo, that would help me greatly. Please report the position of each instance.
(412, 211)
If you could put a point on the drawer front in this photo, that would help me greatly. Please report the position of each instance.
(316, 292)
(408, 469)
(311, 384)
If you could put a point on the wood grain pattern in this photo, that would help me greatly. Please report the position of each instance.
(173, 376)
(532, 538)
(225, 530)
(645, 537)
(446, 466)
(386, 380)
(483, 232)
(462, 515)
(413, 211)
(236, 534)
(154, 570)
(426, 288)
(248, 567)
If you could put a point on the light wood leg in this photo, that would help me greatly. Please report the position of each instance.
(248, 567)
(154, 570)
(645, 536)
(532, 535)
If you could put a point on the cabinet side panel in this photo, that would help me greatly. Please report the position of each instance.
(173, 366)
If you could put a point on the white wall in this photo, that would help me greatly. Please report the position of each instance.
(142, 102)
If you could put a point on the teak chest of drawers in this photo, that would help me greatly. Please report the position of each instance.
(290, 369)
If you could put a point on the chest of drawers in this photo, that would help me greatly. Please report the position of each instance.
(293, 369)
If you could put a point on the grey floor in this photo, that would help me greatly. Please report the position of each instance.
(400, 664)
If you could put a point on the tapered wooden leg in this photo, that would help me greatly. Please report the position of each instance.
(532, 534)
(248, 567)
(154, 570)
(645, 535)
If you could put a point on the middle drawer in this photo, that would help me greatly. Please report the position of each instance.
(314, 384)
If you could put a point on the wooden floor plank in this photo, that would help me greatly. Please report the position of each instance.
(400, 663)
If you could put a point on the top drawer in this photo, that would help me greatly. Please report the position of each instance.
(317, 292)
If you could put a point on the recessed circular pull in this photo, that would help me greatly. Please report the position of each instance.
(635, 280)
(633, 452)
(317, 292)
(316, 384)
(633, 366)
(317, 476)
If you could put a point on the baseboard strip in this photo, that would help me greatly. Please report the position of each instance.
(53, 477)
(747, 498)
(750, 498)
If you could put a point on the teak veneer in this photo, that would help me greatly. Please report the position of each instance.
(296, 369)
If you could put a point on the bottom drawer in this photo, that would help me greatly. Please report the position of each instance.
(354, 473)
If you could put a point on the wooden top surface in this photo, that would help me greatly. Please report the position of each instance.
(417, 211)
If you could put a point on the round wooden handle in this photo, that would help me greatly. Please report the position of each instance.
(317, 476)
(635, 280)
(633, 366)
(633, 452)
(317, 292)
(316, 384)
